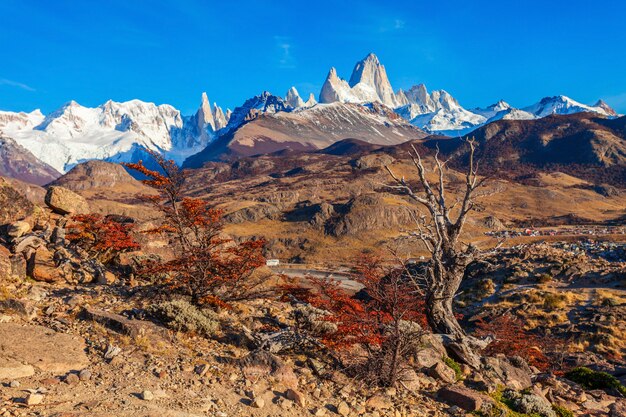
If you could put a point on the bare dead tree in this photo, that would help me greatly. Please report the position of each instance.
(440, 230)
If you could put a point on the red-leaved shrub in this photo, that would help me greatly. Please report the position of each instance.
(103, 238)
(209, 267)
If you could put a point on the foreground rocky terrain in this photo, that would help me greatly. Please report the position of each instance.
(78, 338)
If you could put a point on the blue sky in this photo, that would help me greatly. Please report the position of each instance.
(171, 51)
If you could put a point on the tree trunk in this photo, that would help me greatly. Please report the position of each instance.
(441, 317)
(442, 321)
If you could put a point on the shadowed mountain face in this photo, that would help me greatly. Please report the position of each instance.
(581, 144)
(17, 162)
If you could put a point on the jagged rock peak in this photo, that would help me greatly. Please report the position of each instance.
(336, 89)
(311, 101)
(293, 99)
(204, 115)
(219, 117)
(370, 72)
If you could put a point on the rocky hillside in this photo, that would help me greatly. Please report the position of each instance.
(81, 338)
(326, 206)
(582, 145)
(17, 162)
(96, 174)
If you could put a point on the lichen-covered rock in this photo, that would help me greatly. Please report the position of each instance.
(18, 229)
(64, 201)
(442, 372)
(529, 403)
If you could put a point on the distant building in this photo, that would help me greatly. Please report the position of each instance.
(272, 262)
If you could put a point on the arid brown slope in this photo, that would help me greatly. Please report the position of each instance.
(583, 145)
(320, 207)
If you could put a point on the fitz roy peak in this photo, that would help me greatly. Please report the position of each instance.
(437, 111)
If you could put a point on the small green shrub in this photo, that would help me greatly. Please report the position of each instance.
(591, 379)
(562, 411)
(180, 315)
(455, 366)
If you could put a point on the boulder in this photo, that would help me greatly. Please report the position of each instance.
(442, 372)
(378, 402)
(41, 267)
(427, 358)
(343, 409)
(513, 373)
(414, 381)
(40, 348)
(64, 201)
(462, 397)
(296, 396)
(119, 323)
(11, 369)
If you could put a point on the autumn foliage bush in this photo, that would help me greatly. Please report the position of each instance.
(376, 328)
(103, 238)
(511, 339)
(208, 267)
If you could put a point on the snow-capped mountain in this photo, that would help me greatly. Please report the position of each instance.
(437, 112)
(253, 107)
(207, 120)
(565, 105)
(112, 131)
(119, 132)
(368, 83)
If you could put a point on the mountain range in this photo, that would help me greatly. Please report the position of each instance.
(364, 107)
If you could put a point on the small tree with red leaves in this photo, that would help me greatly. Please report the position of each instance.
(383, 321)
(511, 339)
(103, 238)
(206, 266)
